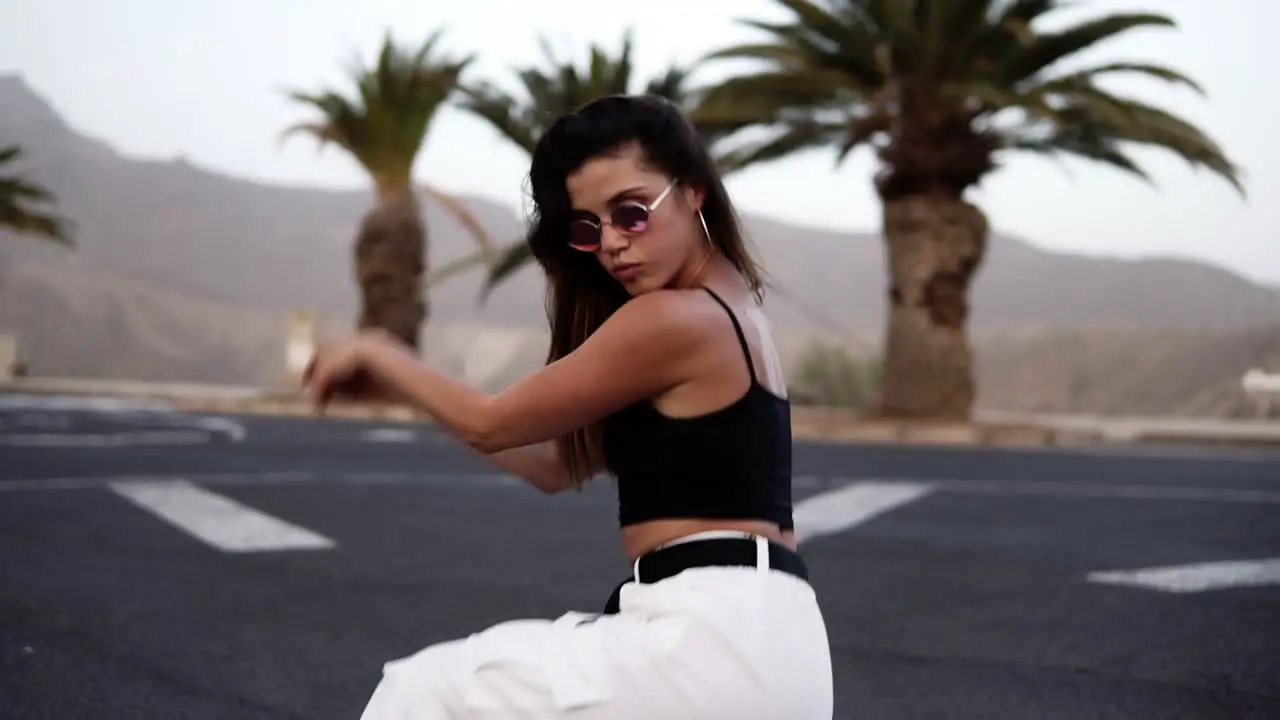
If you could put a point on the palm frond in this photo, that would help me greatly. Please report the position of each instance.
(499, 266)
(673, 84)
(511, 259)
(1075, 116)
(943, 76)
(549, 90)
(787, 140)
(1049, 48)
(952, 31)
(769, 94)
(843, 35)
(469, 221)
(19, 199)
(1085, 142)
(455, 269)
(385, 121)
(1090, 75)
(558, 86)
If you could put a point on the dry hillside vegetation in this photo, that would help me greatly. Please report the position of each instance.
(1134, 372)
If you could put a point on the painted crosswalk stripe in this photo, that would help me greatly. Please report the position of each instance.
(840, 510)
(218, 520)
(1197, 577)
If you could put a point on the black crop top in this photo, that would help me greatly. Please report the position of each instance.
(732, 463)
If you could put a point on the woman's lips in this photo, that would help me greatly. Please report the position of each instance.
(626, 272)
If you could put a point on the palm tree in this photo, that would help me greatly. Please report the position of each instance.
(938, 89)
(18, 198)
(559, 87)
(383, 127)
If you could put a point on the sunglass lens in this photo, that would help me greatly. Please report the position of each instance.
(584, 235)
(631, 218)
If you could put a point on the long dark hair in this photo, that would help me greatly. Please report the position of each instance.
(580, 293)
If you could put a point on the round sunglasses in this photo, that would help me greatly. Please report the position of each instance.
(629, 216)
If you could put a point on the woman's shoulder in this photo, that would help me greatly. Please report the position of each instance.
(671, 310)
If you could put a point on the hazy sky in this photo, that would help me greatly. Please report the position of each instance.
(162, 78)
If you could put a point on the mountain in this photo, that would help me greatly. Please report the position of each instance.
(184, 273)
(1127, 372)
(281, 249)
(77, 323)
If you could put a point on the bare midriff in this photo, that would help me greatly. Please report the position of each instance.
(644, 537)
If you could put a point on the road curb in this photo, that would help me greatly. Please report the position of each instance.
(819, 424)
(832, 425)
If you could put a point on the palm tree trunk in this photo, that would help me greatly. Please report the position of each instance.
(935, 243)
(390, 262)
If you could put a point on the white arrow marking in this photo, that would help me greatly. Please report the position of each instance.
(217, 520)
(1197, 577)
(839, 510)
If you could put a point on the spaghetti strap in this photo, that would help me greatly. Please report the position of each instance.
(742, 338)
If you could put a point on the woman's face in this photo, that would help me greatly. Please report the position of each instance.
(643, 249)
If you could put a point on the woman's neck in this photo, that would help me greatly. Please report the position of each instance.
(699, 271)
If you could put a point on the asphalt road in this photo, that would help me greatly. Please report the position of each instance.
(956, 583)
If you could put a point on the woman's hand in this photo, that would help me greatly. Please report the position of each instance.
(341, 369)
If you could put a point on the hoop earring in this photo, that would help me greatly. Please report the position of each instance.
(704, 227)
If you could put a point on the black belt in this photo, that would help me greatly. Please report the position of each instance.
(712, 552)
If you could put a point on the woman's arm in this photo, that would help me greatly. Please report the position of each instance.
(645, 348)
(539, 465)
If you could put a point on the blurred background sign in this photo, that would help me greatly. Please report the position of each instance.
(300, 344)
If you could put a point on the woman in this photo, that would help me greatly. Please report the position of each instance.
(660, 373)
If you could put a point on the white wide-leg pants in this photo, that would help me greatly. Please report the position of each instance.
(735, 643)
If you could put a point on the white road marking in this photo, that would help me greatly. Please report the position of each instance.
(1096, 491)
(217, 520)
(389, 435)
(53, 484)
(839, 510)
(108, 440)
(50, 411)
(373, 478)
(1106, 491)
(1243, 454)
(251, 479)
(97, 483)
(1198, 577)
(234, 431)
